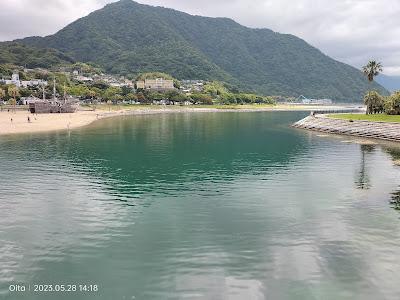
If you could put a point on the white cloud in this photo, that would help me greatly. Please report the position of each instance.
(352, 31)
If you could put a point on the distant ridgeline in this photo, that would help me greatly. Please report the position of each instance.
(130, 38)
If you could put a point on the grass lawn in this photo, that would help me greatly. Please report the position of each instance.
(364, 117)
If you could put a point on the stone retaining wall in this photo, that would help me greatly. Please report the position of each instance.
(377, 130)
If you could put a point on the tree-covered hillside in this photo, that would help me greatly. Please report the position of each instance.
(130, 38)
(31, 57)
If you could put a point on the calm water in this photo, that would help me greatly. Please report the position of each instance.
(199, 206)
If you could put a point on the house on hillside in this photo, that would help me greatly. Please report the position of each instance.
(15, 80)
(158, 84)
(33, 82)
(190, 86)
(83, 78)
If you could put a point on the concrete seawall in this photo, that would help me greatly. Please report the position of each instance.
(366, 129)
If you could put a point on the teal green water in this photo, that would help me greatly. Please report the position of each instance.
(199, 206)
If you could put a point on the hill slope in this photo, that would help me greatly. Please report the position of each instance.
(127, 37)
(391, 83)
(33, 57)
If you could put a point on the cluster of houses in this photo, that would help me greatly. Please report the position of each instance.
(15, 80)
(155, 84)
(190, 86)
(106, 78)
(64, 105)
(304, 100)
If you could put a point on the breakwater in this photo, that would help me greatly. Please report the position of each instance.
(366, 129)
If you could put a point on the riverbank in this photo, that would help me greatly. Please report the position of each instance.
(377, 130)
(17, 122)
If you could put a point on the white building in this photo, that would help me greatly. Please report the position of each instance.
(33, 82)
(24, 83)
(14, 80)
(83, 78)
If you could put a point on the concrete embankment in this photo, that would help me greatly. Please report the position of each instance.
(366, 129)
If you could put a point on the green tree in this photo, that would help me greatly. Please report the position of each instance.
(372, 99)
(2, 95)
(154, 96)
(141, 98)
(201, 98)
(179, 98)
(92, 94)
(392, 104)
(111, 93)
(118, 98)
(24, 92)
(125, 90)
(215, 89)
(78, 90)
(131, 97)
(13, 93)
(372, 69)
(171, 94)
(374, 102)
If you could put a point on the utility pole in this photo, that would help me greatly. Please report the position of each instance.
(65, 94)
(54, 89)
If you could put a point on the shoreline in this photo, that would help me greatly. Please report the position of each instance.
(387, 131)
(68, 121)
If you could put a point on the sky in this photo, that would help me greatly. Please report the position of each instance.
(351, 31)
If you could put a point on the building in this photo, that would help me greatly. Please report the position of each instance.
(23, 83)
(83, 78)
(305, 100)
(14, 80)
(158, 84)
(33, 82)
(140, 84)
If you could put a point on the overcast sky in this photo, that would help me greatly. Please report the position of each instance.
(352, 31)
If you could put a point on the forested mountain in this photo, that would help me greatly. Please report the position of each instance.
(391, 83)
(128, 38)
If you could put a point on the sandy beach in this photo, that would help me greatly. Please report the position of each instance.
(17, 122)
(13, 123)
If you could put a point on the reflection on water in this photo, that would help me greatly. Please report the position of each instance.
(362, 181)
(395, 199)
(205, 206)
(395, 195)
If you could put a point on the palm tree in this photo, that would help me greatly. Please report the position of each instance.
(13, 92)
(2, 95)
(372, 69)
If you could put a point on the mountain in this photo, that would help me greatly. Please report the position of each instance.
(391, 83)
(126, 37)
